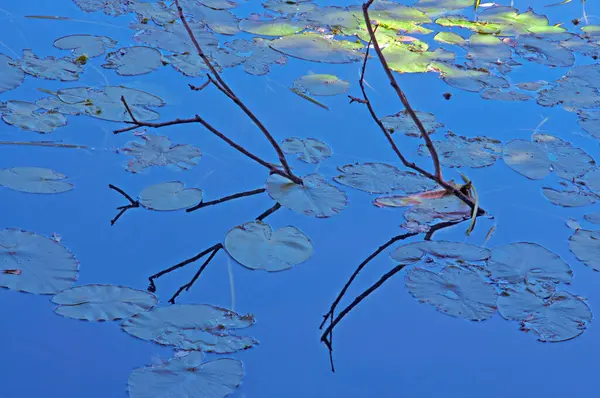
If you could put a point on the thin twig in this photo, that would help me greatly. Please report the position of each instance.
(201, 87)
(234, 98)
(443, 225)
(400, 93)
(44, 143)
(226, 198)
(188, 285)
(268, 212)
(122, 209)
(133, 119)
(209, 127)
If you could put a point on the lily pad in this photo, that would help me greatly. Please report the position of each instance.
(320, 84)
(532, 86)
(28, 116)
(109, 7)
(200, 327)
(585, 245)
(88, 45)
(536, 159)
(187, 376)
(132, 61)
(569, 198)
(450, 38)
(271, 27)
(333, 17)
(64, 69)
(454, 291)
(259, 55)
(415, 252)
(594, 218)
(469, 79)
(158, 12)
(316, 198)
(10, 74)
(35, 264)
(102, 302)
(309, 150)
(545, 52)
(158, 150)
(173, 36)
(191, 64)
(34, 180)
(402, 58)
(382, 178)
(256, 246)
(561, 317)
(168, 196)
(529, 263)
(403, 123)
(219, 21)
(590, 122)
(289, 6)
(497, 95)
(459, 151)
(314, 47)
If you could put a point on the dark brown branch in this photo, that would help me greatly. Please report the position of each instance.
(443, 225)
(226, 198)
(268, 212)
(234, 98)
(201, 87)
(209, 127)
(188, 285)
(450, 188)
(122, 209)
(400, 93)
(133, 119)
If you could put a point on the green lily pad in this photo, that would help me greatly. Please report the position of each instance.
(497, 95)
(35, 264)
(314, 47)
(450, 38)
(458, 151)
(416, 251)
(454, 291)
(28, 116)
(173, 37)
(109, 7)
(169, 196)
(585, 245)
(102, 302)
(544, 52)
(401, 58)
(403, 123)
(10, 74)
(321, 84)
(158, 150)
(569, 198)
(89, 45)
(316, 198)
(132, 61)
(290, 6)
(271, 27)
(309, 150)
(63, 69)
(469, 79)
(34, 180)
(260, 55)
(256, 246)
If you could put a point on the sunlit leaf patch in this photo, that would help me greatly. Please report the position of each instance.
(11, 76)
(158, 150)
(256, 246)
(199, 327)
(88, 45)
(64, 69)
(382, 178)
(450, 38)
(187, 376)
(34, 180)
(321, 84)
(131, 61)
(458, 151)
(28, 116)
(536, 159)
(558, 318)
(454, 291)
(102, 302)
(585, 245)
(316, 198)
(401, 58)
(402, 123)
(169, 196)
(309, 150)
(271, 27)
(35, 264)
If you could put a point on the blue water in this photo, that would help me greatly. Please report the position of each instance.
(391, 346)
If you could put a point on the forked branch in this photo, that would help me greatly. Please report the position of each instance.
(122, 209)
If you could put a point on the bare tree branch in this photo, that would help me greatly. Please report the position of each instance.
(122, 209)
(226, 198)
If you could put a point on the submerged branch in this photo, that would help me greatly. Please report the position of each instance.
(222, 85)
(226, 198)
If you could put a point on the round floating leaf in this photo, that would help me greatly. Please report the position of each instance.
(310, 150)
(528, 262)
(192, 327)
(187, 376)
(543, 52)
(158, 150)
(35, 264)
(458, 151)
(315, 198)
(34, 180)
(535, 160)
(592, 180)
(532, 86)
(271, 27)
(219, 21)
(594, 218)
(319, 84)
(453, 291)
(256, 246)
(132, 61)
(497, 95)
(88, 45)
(168, 196)
(568, 198)
(173, 37)
(314, 47)
(261, 56)
(590, 122)
(64, 69)
(28, 116)
(402, 122)
(561, 317)
(109, 7)
(10, 74)
(450, 38)
(382, 178)
(289, 6)
(469, 79)
(102, 302)
(585, 245)
(401, 58)
(414, 252)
